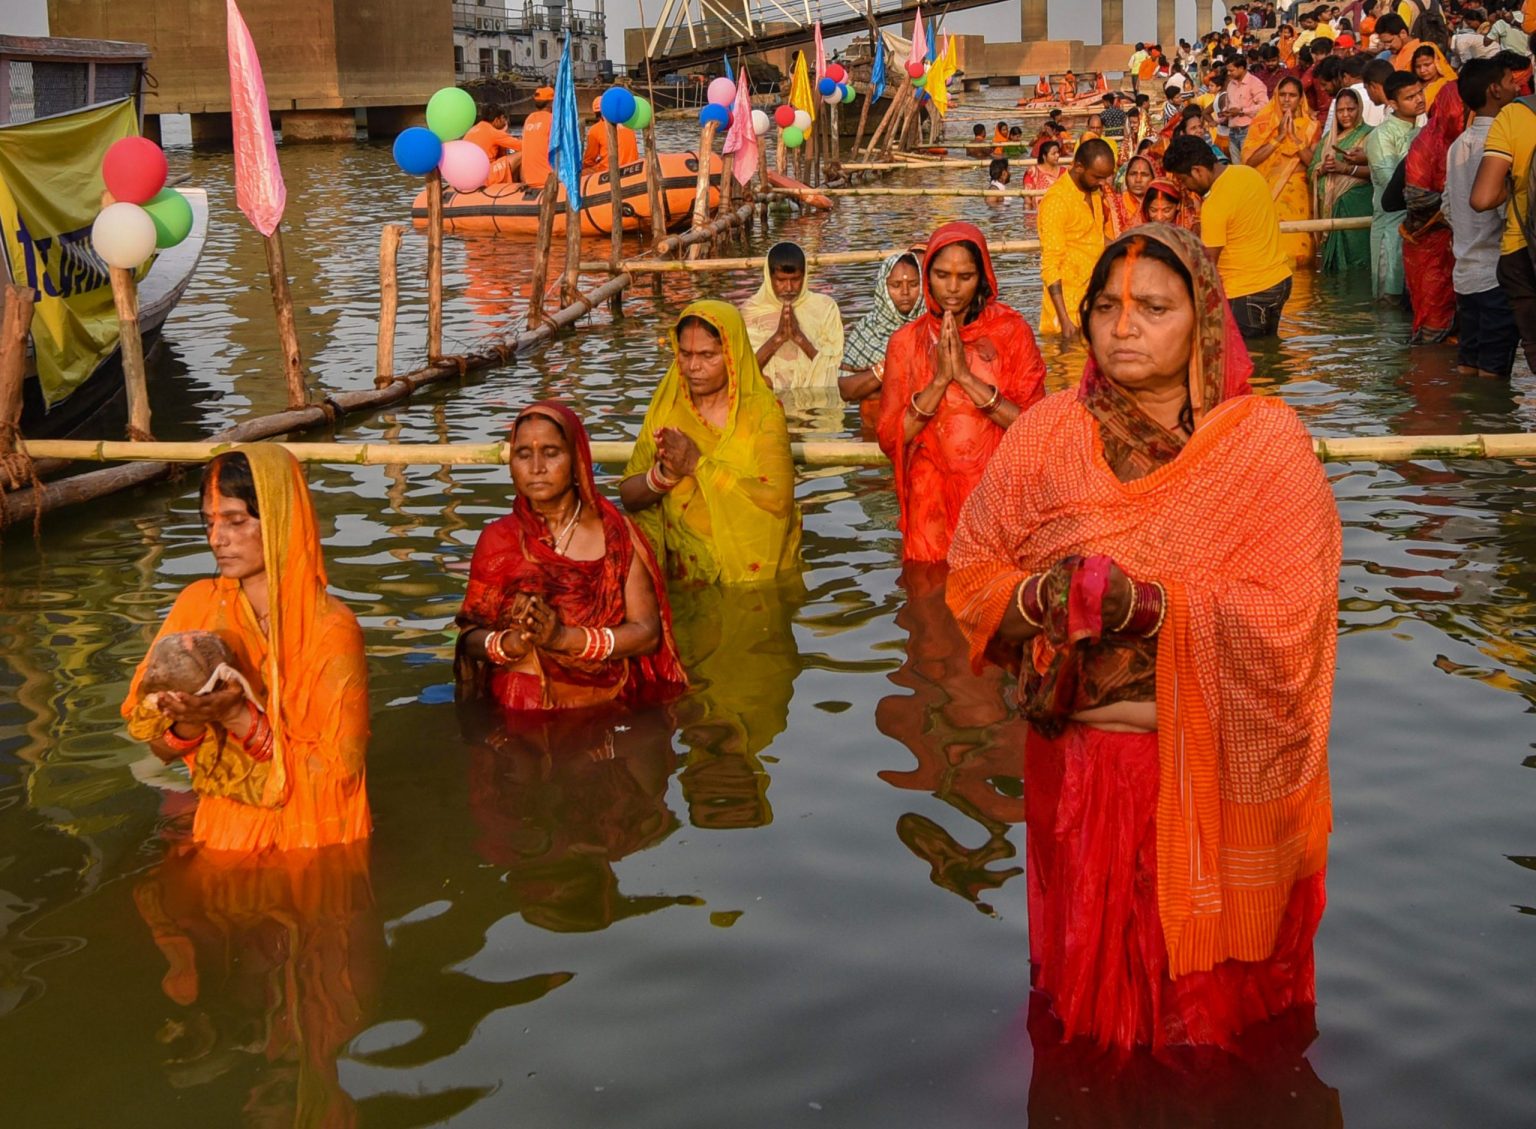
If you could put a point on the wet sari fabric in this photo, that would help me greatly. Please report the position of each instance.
(1428, 261)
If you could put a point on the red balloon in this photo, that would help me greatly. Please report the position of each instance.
(836, 72)
(134, 169)
(784, 116)
(914, 68)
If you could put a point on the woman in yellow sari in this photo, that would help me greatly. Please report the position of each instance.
(276, 760)
(1280, 145)
(711, 481)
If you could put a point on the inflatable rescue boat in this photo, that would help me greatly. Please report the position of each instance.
(513, 209)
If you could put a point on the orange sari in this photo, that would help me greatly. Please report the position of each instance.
(310, 673)
(1200, 849)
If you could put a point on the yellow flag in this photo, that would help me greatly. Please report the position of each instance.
(50, 194)
(944, 65)
(801, 94)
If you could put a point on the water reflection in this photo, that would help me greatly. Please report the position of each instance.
(969, 745)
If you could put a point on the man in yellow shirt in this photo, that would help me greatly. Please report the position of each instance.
(1508, 153)
(1240, 228)
(1071, 227)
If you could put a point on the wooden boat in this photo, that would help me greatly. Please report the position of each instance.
(513, 209)
(807, 196)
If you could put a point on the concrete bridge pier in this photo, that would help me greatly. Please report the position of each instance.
(318, 125)
(1166, 35)
(1202, 17)
(1112, 21)
(1034, 21)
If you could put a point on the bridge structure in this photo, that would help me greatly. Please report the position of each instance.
(690, 33)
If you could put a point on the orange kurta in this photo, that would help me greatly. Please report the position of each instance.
(595, 156)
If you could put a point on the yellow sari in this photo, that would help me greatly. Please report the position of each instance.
(1286, 171)
(734, 520)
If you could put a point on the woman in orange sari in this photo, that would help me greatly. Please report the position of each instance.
(1157, 553)
(565, 608)
(954, 380)
(1280, 145)
(1122, 209)
(276, 759)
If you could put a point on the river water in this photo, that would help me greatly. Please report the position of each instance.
(801, 899)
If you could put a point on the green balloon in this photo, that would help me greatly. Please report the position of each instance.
(792, 136)
(450, 113)
(642, 115)
(920, 81)
(849, 94)
(172, 217)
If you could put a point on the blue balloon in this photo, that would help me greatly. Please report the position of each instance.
(720, 115)
(417, 150)
(826, 86)
(618, 105)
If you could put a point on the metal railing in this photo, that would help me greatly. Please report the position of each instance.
(487, 20)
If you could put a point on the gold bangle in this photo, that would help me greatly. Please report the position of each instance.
(1018, 600)
(919, 411)
(991, 405)
(1162, 609)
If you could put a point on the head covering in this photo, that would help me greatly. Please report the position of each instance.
(1344, 40)
(597, 104)
(1189, 206)
(734, 521)
(868, 338)
(819, 318)
(544, 94)
(1427, 155)
(947, 236)
(518, 555)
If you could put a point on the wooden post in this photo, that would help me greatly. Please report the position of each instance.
(615, 198)
(569, 288)
(15, 324)
(701, 184)
(130, 346)
(389, 302)
(287, 332)
(434, 265)
(653, 185)
(543, 240)
(858, 138)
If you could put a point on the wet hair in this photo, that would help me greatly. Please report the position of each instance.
(786, 256)
(1477, 78)
(1016, 131)
(232, 472)
(983, 287)
(1399, 82)
(1136, 245)
(978, 130)
(694, 320)
(1185, 153)
(998, 167)
(1092, 151)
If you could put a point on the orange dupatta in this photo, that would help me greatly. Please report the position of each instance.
(1242, 531)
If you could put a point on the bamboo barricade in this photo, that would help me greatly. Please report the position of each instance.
(918, 166)
(653, 184)
(569, 289)
(696, 235)
(992, 192)
(811, 453)
(615, 215)
(543, 240)
(858, 136)
(33, 502)
(701, 184)
(15, 467)
(130, 348)
(434, 266)
(282, 305)
(844, 258)
(389, 304)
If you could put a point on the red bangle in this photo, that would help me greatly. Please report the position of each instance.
(1150, 605)
(1027, 599)
(181, 744)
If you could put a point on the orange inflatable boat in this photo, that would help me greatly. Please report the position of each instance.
(513, 209)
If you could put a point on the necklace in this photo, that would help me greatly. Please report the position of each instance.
(563, 538)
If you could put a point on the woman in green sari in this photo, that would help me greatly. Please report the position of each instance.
(1341, 184)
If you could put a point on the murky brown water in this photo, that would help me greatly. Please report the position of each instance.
(800, 903)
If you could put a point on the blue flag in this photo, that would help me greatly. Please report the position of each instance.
(730, 74)
(877, 72)
(933, 40)
(565, 139)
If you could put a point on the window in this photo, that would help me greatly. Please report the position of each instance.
(543, 49)
(486, 66)
(591, 52)
(504, 60)
(458, 59)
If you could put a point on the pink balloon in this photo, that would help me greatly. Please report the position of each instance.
(464, 165)
(722, 91)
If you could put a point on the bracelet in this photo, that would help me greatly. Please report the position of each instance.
(1150, 602)
(1130, 609)
(494, 650)
(181, 744)
(1029, 593)
(877, 370)
(919, 411)
(991, 405)
(656, 481)
(259, 741)
(598, 644)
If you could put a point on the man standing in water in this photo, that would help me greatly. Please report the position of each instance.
(1385, 149)
(1507, 156)
(1071, 226)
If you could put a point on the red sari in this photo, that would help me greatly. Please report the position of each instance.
(936, 471)
(1428, 261)
(516, 554)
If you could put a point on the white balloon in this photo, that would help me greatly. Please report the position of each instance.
(802, 120)
(123, 235)
(761, 123)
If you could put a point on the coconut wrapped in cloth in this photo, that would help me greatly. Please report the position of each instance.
(189, 662)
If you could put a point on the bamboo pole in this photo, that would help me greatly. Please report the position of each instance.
(615, 198)
(130, 348)
(568, 286)
(820, 453)
(653, 189)
(905, 165)
(897, 99)
(14, 327)
(701, 183)
(858, 137)
(434, 265)
(389, 303)
(543, 242)
(992, 192)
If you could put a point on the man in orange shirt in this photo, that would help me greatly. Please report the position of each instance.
(595, 156)
(501, 148)
(536, 138)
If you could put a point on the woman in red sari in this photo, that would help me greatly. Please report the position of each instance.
(1427, 258)
(954, 380)
(1157, 552)
(565, 607)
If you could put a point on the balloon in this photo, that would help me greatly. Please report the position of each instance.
(715, 113)
(171, 215)
(836, 72)
(849, 93)
(618, 105)
(123, 235)
(760, 122)
(914, 68)
(833, 98)
(417, 150)
(793, 137)
(784, 116)
(464, 165)
(826, 86)
(802, 120)
(450, 113)
(722, 91)
(920, 81)
(642, 115)
(134, 169)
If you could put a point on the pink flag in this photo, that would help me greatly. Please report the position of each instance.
(742, 138)
(919, 40)
(821, 55)
(259, 188)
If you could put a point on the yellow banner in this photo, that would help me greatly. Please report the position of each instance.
(50, 193)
